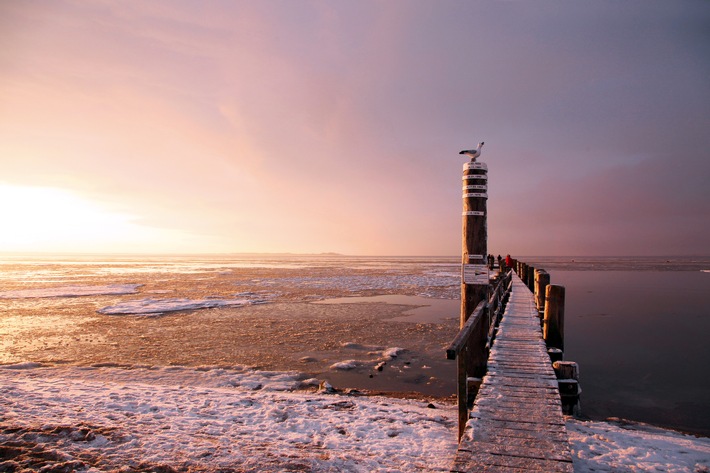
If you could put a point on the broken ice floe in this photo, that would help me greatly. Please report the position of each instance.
(435, 284)
(392, 352)
(383, 354)
(345, 365)
(359, 346)
(159, 306)
(26, 365)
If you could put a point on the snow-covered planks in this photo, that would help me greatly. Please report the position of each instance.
(516, 424)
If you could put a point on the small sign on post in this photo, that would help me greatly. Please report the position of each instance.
(476, 274)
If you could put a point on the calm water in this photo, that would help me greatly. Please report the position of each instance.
(638, 327)
(640, 337)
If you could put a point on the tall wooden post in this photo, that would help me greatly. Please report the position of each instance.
(474, 280)
(474, 286)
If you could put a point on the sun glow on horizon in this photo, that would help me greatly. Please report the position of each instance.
(46, 219)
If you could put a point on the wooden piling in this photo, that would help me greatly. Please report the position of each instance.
(554, 316)
(530, 279)
(555, 354)
(542, 279)
(475, 274)
(566, 369)
(474, 287)
(567, 373)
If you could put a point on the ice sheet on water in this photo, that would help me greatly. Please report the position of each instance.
(360, 346)
(27, 365)
(71, 291)
(356, 283)
(159, 306)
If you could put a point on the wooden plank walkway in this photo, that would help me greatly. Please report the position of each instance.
(516, 424)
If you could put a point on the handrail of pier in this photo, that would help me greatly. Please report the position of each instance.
(461, 348)
(462, 337)
(497, 302)
(494, 302)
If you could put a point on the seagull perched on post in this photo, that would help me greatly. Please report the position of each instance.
(474, 153)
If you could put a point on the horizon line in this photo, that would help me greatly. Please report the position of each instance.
(324, 253)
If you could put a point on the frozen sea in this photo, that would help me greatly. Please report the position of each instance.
(337, 318)
(101, 353)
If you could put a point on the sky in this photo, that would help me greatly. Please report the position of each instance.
(335, 126)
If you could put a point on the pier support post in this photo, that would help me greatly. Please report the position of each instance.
(542, 279)
(555, 354)
(530, 279)
(475, 279)
(474, 286)
(554, 327)
(567, 373)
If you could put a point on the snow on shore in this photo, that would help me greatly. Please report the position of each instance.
(632, 447)
(141, 418)
(108, 419)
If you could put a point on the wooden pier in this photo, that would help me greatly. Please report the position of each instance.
(516, 424)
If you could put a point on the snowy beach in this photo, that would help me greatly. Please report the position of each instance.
(106, 418)
(180, 419)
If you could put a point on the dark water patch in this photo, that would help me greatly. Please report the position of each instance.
(646, 357)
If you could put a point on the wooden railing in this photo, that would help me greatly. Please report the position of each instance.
(467, 347)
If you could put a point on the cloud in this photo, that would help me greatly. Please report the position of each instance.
(656, 206)
(335, 126)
